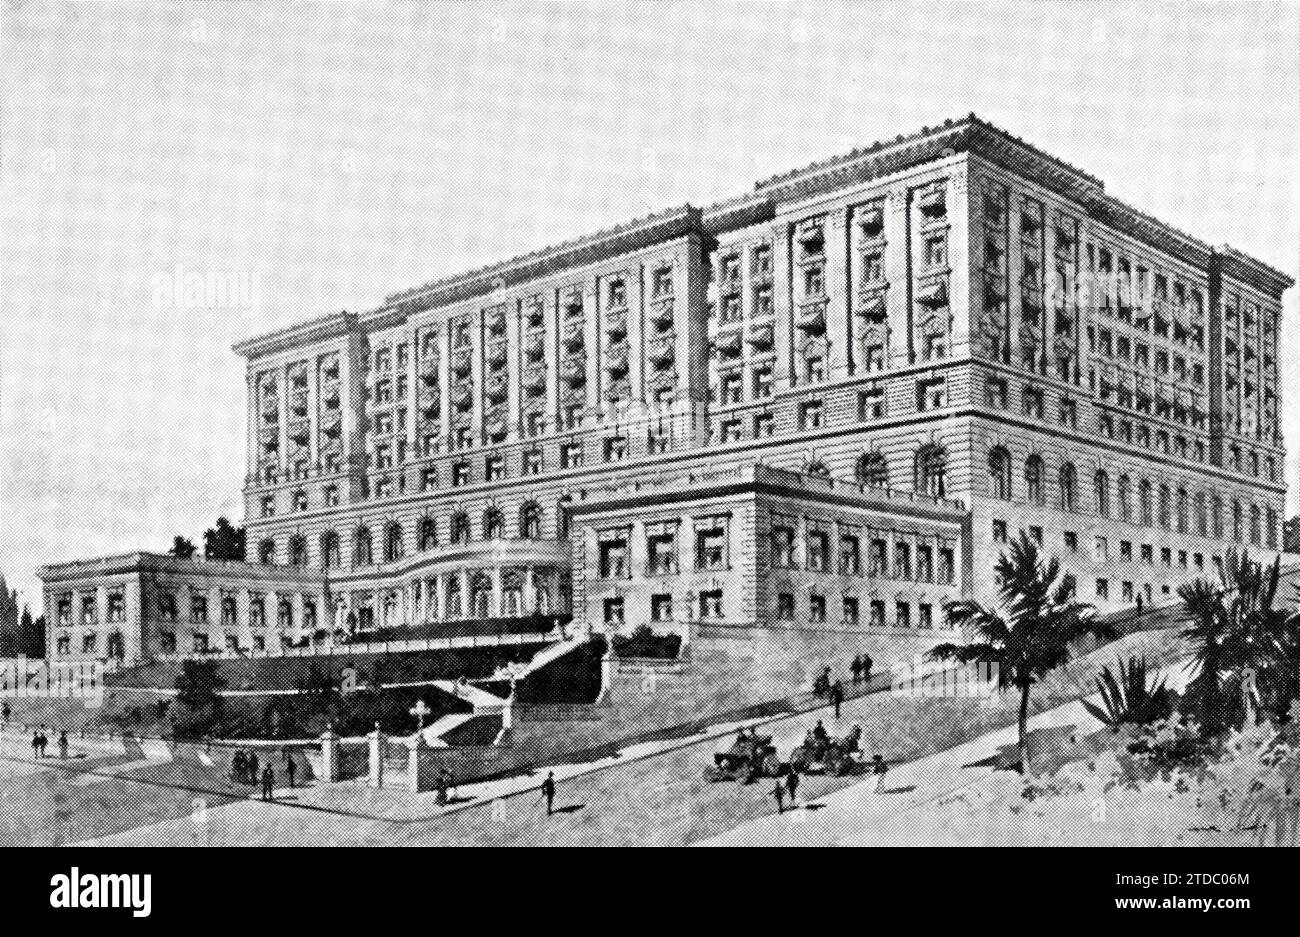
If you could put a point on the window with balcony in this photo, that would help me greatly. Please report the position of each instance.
(819, 551)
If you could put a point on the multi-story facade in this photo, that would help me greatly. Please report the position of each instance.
(953, 315)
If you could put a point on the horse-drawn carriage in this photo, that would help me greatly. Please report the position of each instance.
(821, 754)
(751, 756)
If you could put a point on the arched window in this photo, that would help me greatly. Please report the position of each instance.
(1217, 515)
(297, 550)
(494, 524)
(1145, 504)
(817, 467)
(873, 470)
(460, 527)
(1202, 525)
(1166, 507)
(1254, 524)
(1101, 492)
(931, 470)
(1237, 521)
(530, 521)
(427, 537)
(1270, 528)
(393, 542)
(330, 553)
(1124, 493)
(1069, 484)
(1181, 516)
(364, 550)
(266, 552)
(1000, 473)
(1034, 480)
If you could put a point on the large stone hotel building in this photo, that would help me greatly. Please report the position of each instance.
(820, 407)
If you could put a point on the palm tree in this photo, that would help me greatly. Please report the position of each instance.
(1235, 629)
(1032, 635)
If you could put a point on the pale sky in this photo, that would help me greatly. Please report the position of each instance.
(338, 152)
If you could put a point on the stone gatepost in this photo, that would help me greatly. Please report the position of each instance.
(331, 770)
(376, 739)
(417, 747)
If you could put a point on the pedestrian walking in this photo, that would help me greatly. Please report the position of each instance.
(856, 667)
(251, 764)
(778, 791)
(837, 698)
(548, 791)
(878, 768)
(290, 767)
(866, 667)
(268, 783)
(4, 714)
(792, 785)
(63, 745)
(36, 743)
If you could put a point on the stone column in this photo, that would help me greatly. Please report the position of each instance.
(331, 770)
(439, 598)
(376, 740)
(497, 608)
(464, 593)
(417, 747)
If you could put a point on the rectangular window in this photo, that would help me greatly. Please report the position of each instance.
(902, 561)
(930, 395)
(785, 606)
(850, 556)
(571, 455)
(661, 554)
(661, 608)
(819, 548)
(764, 425)
(494, 468)
(902, 615)
(999, 531)
(925, 616)
(871, 404)
(817, 609)
(850, 611)
(711, 548)
(783, 547)
(810, 415)
(947, 566)
(762, 383)
(615, 448)
(533, 462)
(460, 474)
(613, 557)
(614, 611)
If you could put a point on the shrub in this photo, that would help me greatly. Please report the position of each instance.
(1128, 697)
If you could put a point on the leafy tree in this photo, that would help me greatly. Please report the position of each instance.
(182, 548)
(1032, 635)
(224, 541)
(1235, 631)
(197, 684)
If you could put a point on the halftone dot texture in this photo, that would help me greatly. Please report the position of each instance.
(333, 154)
